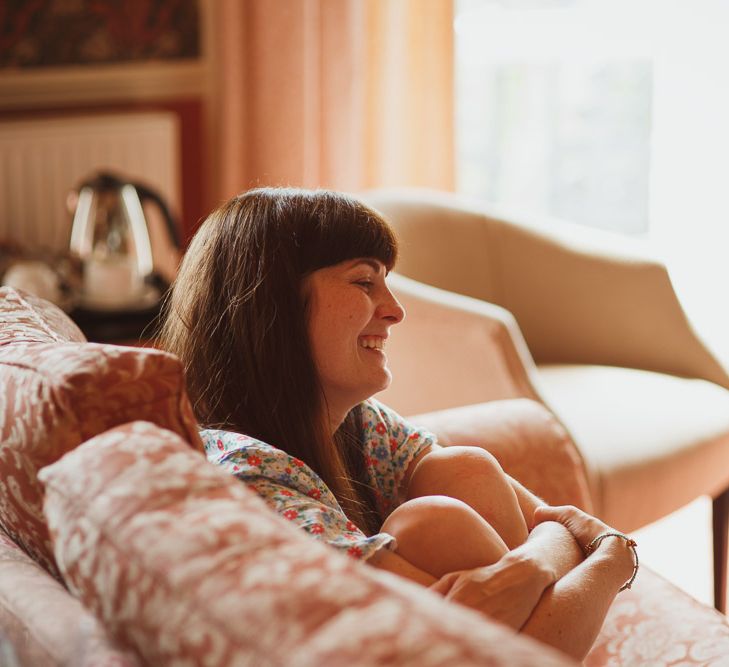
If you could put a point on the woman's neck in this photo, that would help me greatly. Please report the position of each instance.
(335, 415)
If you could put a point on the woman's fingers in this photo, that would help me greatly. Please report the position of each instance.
(445, 583)
(506, 591)
(582, 526)
(560, 514)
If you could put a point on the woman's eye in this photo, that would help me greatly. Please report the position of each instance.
(366, 284)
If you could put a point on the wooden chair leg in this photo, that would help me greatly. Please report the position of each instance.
(720, 521)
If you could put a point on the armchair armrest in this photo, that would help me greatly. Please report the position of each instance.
(579, 295)
(452, 350)
(528, 441)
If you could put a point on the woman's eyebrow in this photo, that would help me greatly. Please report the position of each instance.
(374, 264)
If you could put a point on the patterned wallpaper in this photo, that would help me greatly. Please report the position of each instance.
(47, 33)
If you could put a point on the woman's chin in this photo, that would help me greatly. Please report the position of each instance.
(375, 387)
(385, 382)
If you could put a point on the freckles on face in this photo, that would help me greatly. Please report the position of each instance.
(350, 311)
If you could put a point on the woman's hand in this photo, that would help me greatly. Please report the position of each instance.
(507, 591)
(584, 527)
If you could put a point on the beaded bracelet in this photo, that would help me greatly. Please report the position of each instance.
(590, 548)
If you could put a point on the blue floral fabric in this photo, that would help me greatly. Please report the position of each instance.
(298, 494)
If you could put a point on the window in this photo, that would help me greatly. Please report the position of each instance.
(609, 113)
(549, 118)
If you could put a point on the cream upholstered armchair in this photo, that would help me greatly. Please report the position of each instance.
(580, 320)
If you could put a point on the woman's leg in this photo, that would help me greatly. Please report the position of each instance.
(474, 476)
(439, 535)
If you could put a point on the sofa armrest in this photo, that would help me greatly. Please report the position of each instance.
(452, 350)
(527, 440)
(579, 295)
(43, 623)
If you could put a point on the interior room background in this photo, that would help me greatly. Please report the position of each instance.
(609, 113)
(334, 93)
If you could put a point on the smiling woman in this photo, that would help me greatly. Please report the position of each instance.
(280, 314)
(239, 318)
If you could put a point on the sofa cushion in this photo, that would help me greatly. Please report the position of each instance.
(29, 319)
(56, 394)
(29, 599)
(655, 623)
(638, 429)
(188, 566)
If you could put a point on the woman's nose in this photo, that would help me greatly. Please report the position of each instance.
(391, 309)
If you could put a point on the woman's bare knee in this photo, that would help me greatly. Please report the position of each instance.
(439, 534)
(474, 476)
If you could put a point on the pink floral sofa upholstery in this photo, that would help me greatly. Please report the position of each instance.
(121, 545)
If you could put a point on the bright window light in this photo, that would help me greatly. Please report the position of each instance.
(609, 113)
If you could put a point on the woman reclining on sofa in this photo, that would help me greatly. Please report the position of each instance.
(280, 314)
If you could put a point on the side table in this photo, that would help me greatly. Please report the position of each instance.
(130, 327)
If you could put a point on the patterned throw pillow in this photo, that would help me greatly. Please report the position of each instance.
(57, 391)
(30, 319)
(186, 565)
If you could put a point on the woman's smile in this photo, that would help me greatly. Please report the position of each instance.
(372, 342)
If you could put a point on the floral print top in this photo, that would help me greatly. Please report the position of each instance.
(297, 493)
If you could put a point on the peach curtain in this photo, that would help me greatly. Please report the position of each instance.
(346, 94)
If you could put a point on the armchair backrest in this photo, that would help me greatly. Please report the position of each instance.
(579, 295)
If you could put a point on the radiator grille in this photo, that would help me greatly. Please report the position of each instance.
(41, 160)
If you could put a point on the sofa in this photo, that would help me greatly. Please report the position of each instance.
(122, 546)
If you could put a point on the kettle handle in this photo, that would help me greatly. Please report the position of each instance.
(146, 193)
(107, 179)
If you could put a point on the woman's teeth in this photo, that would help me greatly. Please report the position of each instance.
(372, 342)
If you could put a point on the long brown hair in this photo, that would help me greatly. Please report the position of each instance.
(237, 319)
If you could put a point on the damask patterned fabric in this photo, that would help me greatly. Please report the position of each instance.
(293, 490)
(44, 625)
(231, 583)
(57, 394)
(30, 319)
(655, 624)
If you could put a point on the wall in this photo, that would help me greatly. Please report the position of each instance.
(120, 77)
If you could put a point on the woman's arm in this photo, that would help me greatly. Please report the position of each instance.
(543, 586)
(566, 614)
(451, 542)
(507, 591)
(511, 589)
(570, 614)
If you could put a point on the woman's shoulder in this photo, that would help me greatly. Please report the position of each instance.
(379, 419)
(374, 412)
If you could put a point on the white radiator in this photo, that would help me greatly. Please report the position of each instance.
(41, 160)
